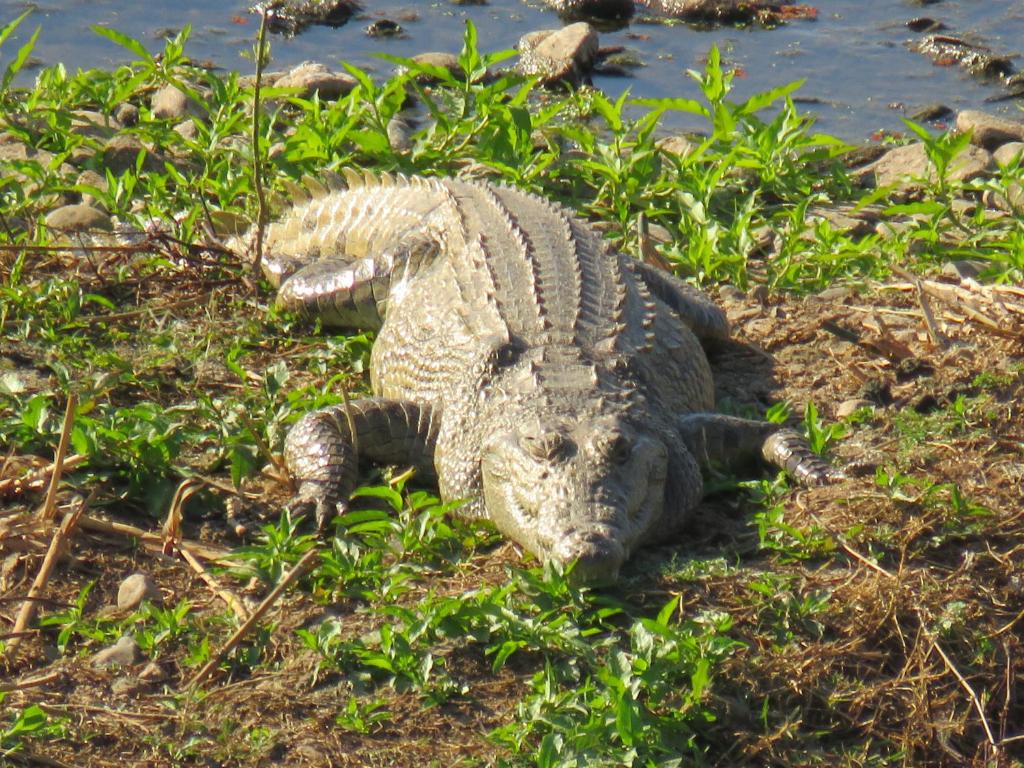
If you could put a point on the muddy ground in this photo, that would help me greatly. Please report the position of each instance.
(918, 650)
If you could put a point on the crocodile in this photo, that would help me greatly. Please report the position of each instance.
(557, 386)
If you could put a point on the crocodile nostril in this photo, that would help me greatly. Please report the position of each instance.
(548, 446)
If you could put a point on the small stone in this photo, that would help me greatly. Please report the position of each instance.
(989, 131)
(849, 407)
(1008, 154)
(400, 134)
(312, 77)
(905, 165)
(187, 129)
(925, 24)
(931, 112)
(680, 146)
(384, 28)
(78, 218)
(124, 653)
(91, 179)
(964, 269)
(135, 589)
(836, 293)
(758, 293)
(729, 292)
(127, 114)
(152, 673)
(127, 686)
(121, 152)
(596, 9)
(170, 103)
(96, 125)
(447, 61)
(555, 55)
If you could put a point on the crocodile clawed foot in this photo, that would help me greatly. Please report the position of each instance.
(312, 502)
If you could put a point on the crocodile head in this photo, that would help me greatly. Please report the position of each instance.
(586, 490)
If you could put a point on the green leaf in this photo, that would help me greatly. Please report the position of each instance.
(9, 28)
(19, 61)
(124, 41)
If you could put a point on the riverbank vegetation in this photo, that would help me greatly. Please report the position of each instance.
(874, 622)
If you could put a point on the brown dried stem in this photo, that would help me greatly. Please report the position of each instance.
(300, 568)
(49, 510)
(57, 544)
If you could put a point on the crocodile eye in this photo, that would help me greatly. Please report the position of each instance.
(549, 446)
(615, 446)
(507, 354)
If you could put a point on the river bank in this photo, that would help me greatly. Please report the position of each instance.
(874, 291)
(862, 71)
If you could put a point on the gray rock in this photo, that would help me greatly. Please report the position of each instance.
(599, 9)
(559, 55)
(127, 114)
(95, 125)
(124, 653)
(904, 165)
(172, 103)
(186, 129)
(730, 293)
(964, 269)
(78, 218)
(313, 77)
(91, 179)
(679, 146)
(989, 131)
(120, 154)
(1007, 154)
(136, 588)
(400, 134)
(152, 672)
(1010, 200)
(447, 61)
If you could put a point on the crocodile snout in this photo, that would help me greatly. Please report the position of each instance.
(597, 554)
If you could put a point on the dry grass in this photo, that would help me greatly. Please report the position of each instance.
(913, 658)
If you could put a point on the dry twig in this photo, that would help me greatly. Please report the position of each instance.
(49, 510)
(57, 543)
(300, 568)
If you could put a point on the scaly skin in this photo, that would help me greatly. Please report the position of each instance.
(557, 385)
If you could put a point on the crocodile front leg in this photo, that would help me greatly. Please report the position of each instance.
(717, 438)
(324, 448)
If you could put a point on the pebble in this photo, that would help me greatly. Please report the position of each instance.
(136, 588)
(556, 55)
(989, 131)
(187, 129)
(78, 218)
(902, 165)
(124, 653)
(170, 103)
(447, 61)
(95, 125)
(1008, 153)
(964, 269)
(120, 153)
(127, 114)
(680, 146)
(312, 77)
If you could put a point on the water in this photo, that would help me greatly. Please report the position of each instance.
(860, 75)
